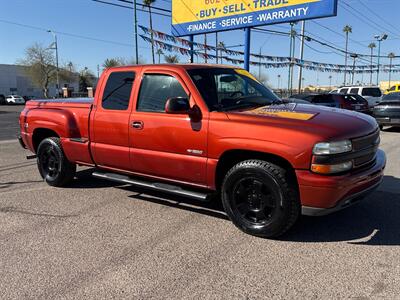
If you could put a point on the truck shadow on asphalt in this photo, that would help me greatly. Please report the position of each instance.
(374, 221)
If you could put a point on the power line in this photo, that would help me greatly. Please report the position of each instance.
(152, 6)
(69, 34)
(128, 7)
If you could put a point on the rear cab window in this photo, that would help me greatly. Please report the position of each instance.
(156, 89)
(117, 93)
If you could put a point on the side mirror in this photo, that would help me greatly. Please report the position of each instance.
(178, 105)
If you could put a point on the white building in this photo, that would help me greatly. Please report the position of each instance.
(15, 81)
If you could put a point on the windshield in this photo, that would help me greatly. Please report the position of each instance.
(229, 89)
(371, 92)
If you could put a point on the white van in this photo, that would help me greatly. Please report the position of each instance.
(372, 94)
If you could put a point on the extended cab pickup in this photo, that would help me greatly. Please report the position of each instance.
(201, 130)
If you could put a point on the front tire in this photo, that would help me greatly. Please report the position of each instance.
(259, 198)
(53, 165)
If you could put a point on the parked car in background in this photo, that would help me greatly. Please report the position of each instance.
(15, 99)
(350, 102)
(388, 111)
(304, 96)
(394, 89)
(2, 100)
(28, 98)
(372, 94)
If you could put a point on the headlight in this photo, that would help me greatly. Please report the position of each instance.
(332, 148)
(332, 169)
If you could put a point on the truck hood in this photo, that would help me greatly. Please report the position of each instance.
(328, 123)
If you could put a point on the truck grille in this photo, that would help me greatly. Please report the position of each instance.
(367, 147)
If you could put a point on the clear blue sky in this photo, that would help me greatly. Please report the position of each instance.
(97, 21)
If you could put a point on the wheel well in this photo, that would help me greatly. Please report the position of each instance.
(233, 157)
(40, 134)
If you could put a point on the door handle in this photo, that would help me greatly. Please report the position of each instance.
(137, 125)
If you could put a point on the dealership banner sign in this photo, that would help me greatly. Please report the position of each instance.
(202, 16)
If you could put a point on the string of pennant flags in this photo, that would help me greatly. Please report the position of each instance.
(160, 39)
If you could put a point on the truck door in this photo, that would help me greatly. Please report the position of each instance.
(165, 145)
(110, 124)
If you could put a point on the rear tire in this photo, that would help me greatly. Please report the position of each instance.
(53, 165)
(259, 198)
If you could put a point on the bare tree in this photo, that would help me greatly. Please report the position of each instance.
(41, 66)
(68, 73)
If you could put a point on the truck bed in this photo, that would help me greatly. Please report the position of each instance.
(69, 117)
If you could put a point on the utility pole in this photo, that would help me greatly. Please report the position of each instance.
(303, 25)
(279, 81)
(216, 48)
(58, 69)
(259, 65)
(205, 48)
(354, 56)
(391, 56)
(136, 32)
(290, 75)
(379, 38)
(191, 39)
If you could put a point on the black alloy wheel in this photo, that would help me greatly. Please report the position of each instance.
(53, 165)
(260, 198)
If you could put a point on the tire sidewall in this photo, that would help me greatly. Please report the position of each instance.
(281, 213)
(44, 145)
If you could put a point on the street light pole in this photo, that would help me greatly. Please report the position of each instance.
(303, 25)
(58, 70)
(379, 38)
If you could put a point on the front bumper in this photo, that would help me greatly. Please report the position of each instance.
(322, 195)
(388, 121)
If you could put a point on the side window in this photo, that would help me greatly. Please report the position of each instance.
(156, 89)
(117, 92)
(393, 88)
(354, 91)
(344, 91)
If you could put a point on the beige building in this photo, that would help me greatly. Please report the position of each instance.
(384, 85)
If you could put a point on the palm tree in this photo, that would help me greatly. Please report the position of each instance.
(391, 55)
(171, 59)
(347, 29)
(371, 46)
(159, 53)
(111, 62)
(148, 4)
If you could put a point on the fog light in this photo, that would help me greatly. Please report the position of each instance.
(332, 169)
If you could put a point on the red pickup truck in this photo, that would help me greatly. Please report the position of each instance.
(202, 130)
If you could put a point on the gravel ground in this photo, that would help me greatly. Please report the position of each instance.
(100, 240)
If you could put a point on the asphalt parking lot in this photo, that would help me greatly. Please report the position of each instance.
(100, 240)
